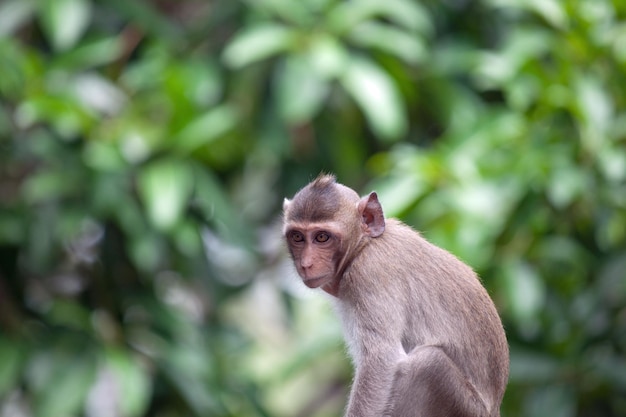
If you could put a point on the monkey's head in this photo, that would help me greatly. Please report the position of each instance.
(325, 224)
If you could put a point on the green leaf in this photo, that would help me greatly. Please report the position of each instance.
(68, 117)
(64, 21)
(493, 69)
(206, 128)
(327, 56)
(132, 380)
(375, 93)
(400, 193)
(596, 108)
(10, 364)
(195, 81)
(532, 367)
(48, 186)
(97, 94)
(14, 14)
(405, 46)
(188, 239)
(300, 90)
(554, 400)
(187, 367)
(165, 187)
(526, 293)
(214, 204)
(95, 53)
(146, 15)
(69, 314)
(147, 252)
(66, 386)
(566, 184)
(257, 43)
(552, 10)
(102, 155)
(13, 67)
(405, 13)
(296, 12)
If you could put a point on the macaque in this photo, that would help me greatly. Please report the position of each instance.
(425, 338)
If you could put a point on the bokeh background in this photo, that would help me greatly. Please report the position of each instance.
(146, 148)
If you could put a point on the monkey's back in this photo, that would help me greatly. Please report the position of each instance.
(437, 299)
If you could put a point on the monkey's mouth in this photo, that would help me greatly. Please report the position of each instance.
(314, 282)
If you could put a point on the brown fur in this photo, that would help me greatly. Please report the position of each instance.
(320, 200)
(424, 335)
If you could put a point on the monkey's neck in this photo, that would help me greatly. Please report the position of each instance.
(332, 287)
(349, 255)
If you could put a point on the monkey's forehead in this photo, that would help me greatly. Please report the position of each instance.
(305, 226)
(312, 209)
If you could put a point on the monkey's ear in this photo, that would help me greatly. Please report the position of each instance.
(286, 203)
(372, 215)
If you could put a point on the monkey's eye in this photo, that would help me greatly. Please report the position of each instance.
(322, 237)
(297, 237)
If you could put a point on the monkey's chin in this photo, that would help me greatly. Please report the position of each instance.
(315, 282)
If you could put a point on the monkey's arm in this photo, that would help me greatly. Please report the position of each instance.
(373, 326)
(372, 385)
(377, 351)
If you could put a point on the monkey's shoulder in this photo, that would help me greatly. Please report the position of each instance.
(401, 239)
(396, 234)
(401, 236)
(402, 252)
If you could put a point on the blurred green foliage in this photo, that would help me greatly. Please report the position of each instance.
(145, 147)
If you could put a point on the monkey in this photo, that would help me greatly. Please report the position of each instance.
(424, 336)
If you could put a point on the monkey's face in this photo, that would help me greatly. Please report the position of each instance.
(324, 225)
(315, 250)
